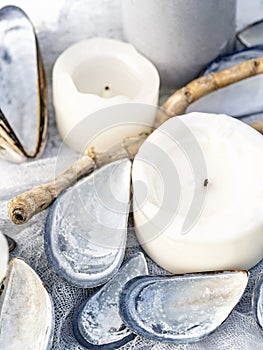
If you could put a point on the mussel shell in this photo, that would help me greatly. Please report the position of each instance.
(180, 309)
(251, 35)
(26, 310)
(97, 323)
(86, 228)
(23, 100)
(257, 301)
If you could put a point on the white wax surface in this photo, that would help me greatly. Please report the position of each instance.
(95, 74)
(226, 230)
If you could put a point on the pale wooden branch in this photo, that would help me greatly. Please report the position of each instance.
(26, 205)
(182, 98)
(257, 126)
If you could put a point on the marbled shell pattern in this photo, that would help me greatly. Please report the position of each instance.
(86, 229)
(26, 310)
(182, 308)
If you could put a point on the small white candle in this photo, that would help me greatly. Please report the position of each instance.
(198, 194)
(3, 256)
(93, 75)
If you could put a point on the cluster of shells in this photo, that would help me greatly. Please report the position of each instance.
(176, 308)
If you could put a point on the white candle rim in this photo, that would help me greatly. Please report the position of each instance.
(62, 65)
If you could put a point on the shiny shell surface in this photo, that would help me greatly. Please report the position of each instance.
(26, 310)
(86, 229)
(183, 308)
(23, 105)
(252, 35)
(97, 323)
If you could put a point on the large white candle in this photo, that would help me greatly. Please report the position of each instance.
(198, 194)
(94, 74)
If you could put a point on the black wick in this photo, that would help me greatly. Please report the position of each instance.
(205, 183)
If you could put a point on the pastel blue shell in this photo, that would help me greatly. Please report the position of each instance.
(97, 323)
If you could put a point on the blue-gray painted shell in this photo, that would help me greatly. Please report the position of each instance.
(97, 323)
(183, 308)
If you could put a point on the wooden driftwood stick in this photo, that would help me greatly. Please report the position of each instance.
(257, 126)
(182, 98)
(26, 205)
(23, 207)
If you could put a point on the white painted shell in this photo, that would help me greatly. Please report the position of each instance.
(26, 310)
(86, 228)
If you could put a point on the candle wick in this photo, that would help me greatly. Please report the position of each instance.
(106, 93)
(206, 182)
